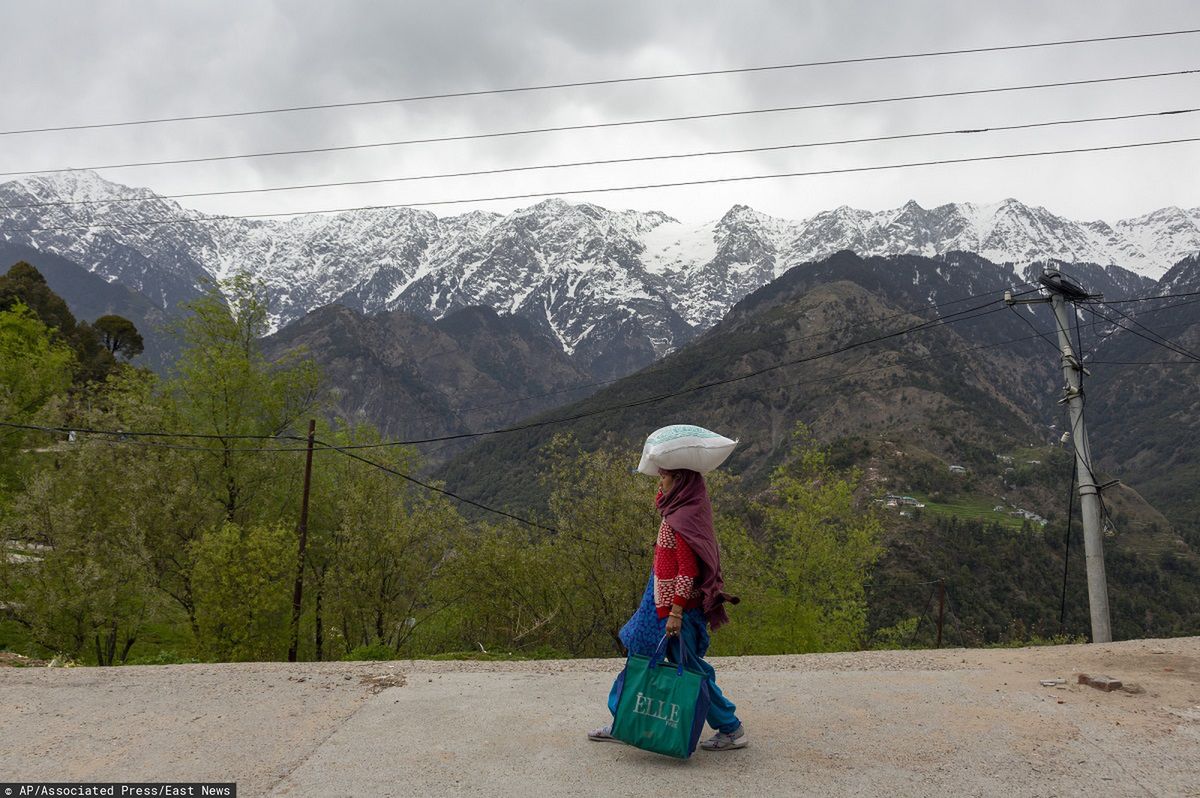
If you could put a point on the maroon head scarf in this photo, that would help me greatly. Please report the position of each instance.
(687, 510)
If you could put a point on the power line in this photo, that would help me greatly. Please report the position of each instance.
(1031, 326)
(962, 315)
(597, 162)
(117, 433)
(926, 325)
(908, 358)
(1177, 347)
(1099, 339)
(805, 382)
(435, 488)
(1159, 309)
(862, 372)
(124, 436)
(1140, 363)
(1145, 299)
(842, 328)
(342, 449)
(583, 83)
(193, 448)
(901, 583)
(607, 189)
(1164, 343)
(124, 440)
(1062, 608)
(634, 122)
(127, 436)
(824, 334)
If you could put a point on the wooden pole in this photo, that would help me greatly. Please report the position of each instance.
(302, 532)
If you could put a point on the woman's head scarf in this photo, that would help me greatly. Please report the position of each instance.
(688, 511)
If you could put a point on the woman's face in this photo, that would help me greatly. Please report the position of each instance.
(666, 481)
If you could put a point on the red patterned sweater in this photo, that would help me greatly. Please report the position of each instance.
(675, 572)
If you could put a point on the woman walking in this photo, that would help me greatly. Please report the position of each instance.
(684, 598)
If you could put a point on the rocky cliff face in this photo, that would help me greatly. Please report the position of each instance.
(410, 377)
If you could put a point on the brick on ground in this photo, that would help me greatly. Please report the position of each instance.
(1105, 683)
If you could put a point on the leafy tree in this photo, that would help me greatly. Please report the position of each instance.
(119, 336)
(502, 594)
(242, 577)
(378, 547)
(818, 548)
(226, 387)
(25, 285)
(604, 548)
(80, 583)
(568, 591)
(165, 500)
(33, 365)
(34, 368)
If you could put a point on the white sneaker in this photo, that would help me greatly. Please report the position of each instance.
(602, 735)
(726, 742)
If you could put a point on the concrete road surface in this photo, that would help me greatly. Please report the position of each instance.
(955, 723)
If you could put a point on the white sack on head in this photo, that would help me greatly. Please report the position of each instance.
(684, 446)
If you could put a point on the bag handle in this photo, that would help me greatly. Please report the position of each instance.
(659, 651)
(663, 647)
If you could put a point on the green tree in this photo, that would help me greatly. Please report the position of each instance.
(571, 590)
(160, 486)
(79, 582)
(25, 285)
(818, 547)
(503, 594)
(242, 579)
(119, 336)
(378, 547)
(603, 551)
(226, 387)
(33, 365)
(34, 368)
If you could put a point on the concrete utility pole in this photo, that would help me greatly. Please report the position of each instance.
(1062, 292)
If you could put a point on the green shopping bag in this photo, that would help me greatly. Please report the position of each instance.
(662, 705)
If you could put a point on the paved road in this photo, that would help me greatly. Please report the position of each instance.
(955, 722)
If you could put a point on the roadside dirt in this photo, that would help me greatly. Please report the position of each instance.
(951, 722)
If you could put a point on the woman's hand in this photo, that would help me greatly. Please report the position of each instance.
(674, 625)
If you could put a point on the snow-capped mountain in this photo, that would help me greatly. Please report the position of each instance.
(614, 288)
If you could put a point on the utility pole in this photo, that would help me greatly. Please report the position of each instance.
(941, 609)
(1062, 292)
(302, 531)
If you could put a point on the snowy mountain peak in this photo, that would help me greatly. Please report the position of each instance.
(741, 215)
(616, 286)
(76, 186)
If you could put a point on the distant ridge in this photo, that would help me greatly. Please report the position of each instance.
(615, 289)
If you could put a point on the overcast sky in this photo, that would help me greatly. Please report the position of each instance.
(81, 62)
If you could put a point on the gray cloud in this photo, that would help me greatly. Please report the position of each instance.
(80, 62)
